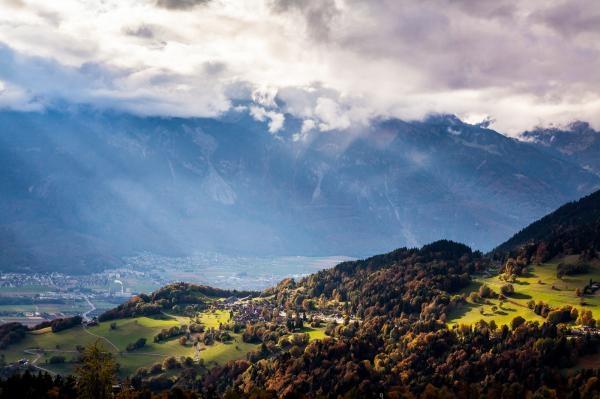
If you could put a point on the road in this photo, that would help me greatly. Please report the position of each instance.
(38, 355)
(86, 315)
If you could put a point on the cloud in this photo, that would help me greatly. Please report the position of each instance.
(180, 4)
(331, 115)
(41, 82)
(337, 63)
(317, 14)
(143, 31)
(15, 98)
(570, 18)
(275, 119)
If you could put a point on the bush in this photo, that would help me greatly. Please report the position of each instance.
(171, 363)
(541, 309)
(56, 359)
(300, 339)
(571, 269)
(166, 334)
(196, 328)
(11, 333)
(474, 297)
(141, 372)
(224, 336)
(507, 289)
(66, 323)
(156, 368)
(586, 319)
(486, 292)
(140, 343)
(556, 317)
(516, 322)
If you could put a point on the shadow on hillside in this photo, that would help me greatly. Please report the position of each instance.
(459, 311)
(161, 316)
(472, 287)
(520, 295)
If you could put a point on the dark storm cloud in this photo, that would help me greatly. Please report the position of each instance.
(318, 14)
(463, 44)
(144, 31)
(180, 4)
(571, 18)
(500, 9)
(523, 63)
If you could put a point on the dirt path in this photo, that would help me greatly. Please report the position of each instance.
(103, 338)
(37, 355)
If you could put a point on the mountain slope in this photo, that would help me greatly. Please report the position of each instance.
(577, 143)
(82, 189)
(572, 228)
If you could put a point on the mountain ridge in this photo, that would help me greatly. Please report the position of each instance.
(103, 185)
(576, 221)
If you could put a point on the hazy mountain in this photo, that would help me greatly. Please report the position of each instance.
(577, 143)
(81, 189)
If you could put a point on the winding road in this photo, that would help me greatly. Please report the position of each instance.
(86, 315)
(38, 355)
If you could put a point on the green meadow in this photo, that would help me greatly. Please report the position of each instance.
(44, 344)
(540, 283)
(314, 332)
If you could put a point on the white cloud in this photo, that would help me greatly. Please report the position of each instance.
(275, 119)
(15, 98)
(331, 115)
(307, 125)
(337, 62)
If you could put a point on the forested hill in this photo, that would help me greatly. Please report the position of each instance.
(395, 340)
(399, 282)
(179, 297)
(573, 228)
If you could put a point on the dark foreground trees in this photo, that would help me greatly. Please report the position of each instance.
(29, 385)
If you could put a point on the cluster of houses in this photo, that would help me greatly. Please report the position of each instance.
(591, 288)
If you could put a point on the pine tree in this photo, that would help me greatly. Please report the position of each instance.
(96, 375)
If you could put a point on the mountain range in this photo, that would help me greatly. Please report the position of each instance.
(578, 142)
(80, 189)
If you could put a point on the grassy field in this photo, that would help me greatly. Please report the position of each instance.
(210, 319)
(127, 331)
(70, 306)
(539, 284)
(314, 333)
(24, 290)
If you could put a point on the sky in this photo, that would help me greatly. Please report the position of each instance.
(335, 64)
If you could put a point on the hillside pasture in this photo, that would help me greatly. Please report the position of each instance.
(44, 344)
(539, 283)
